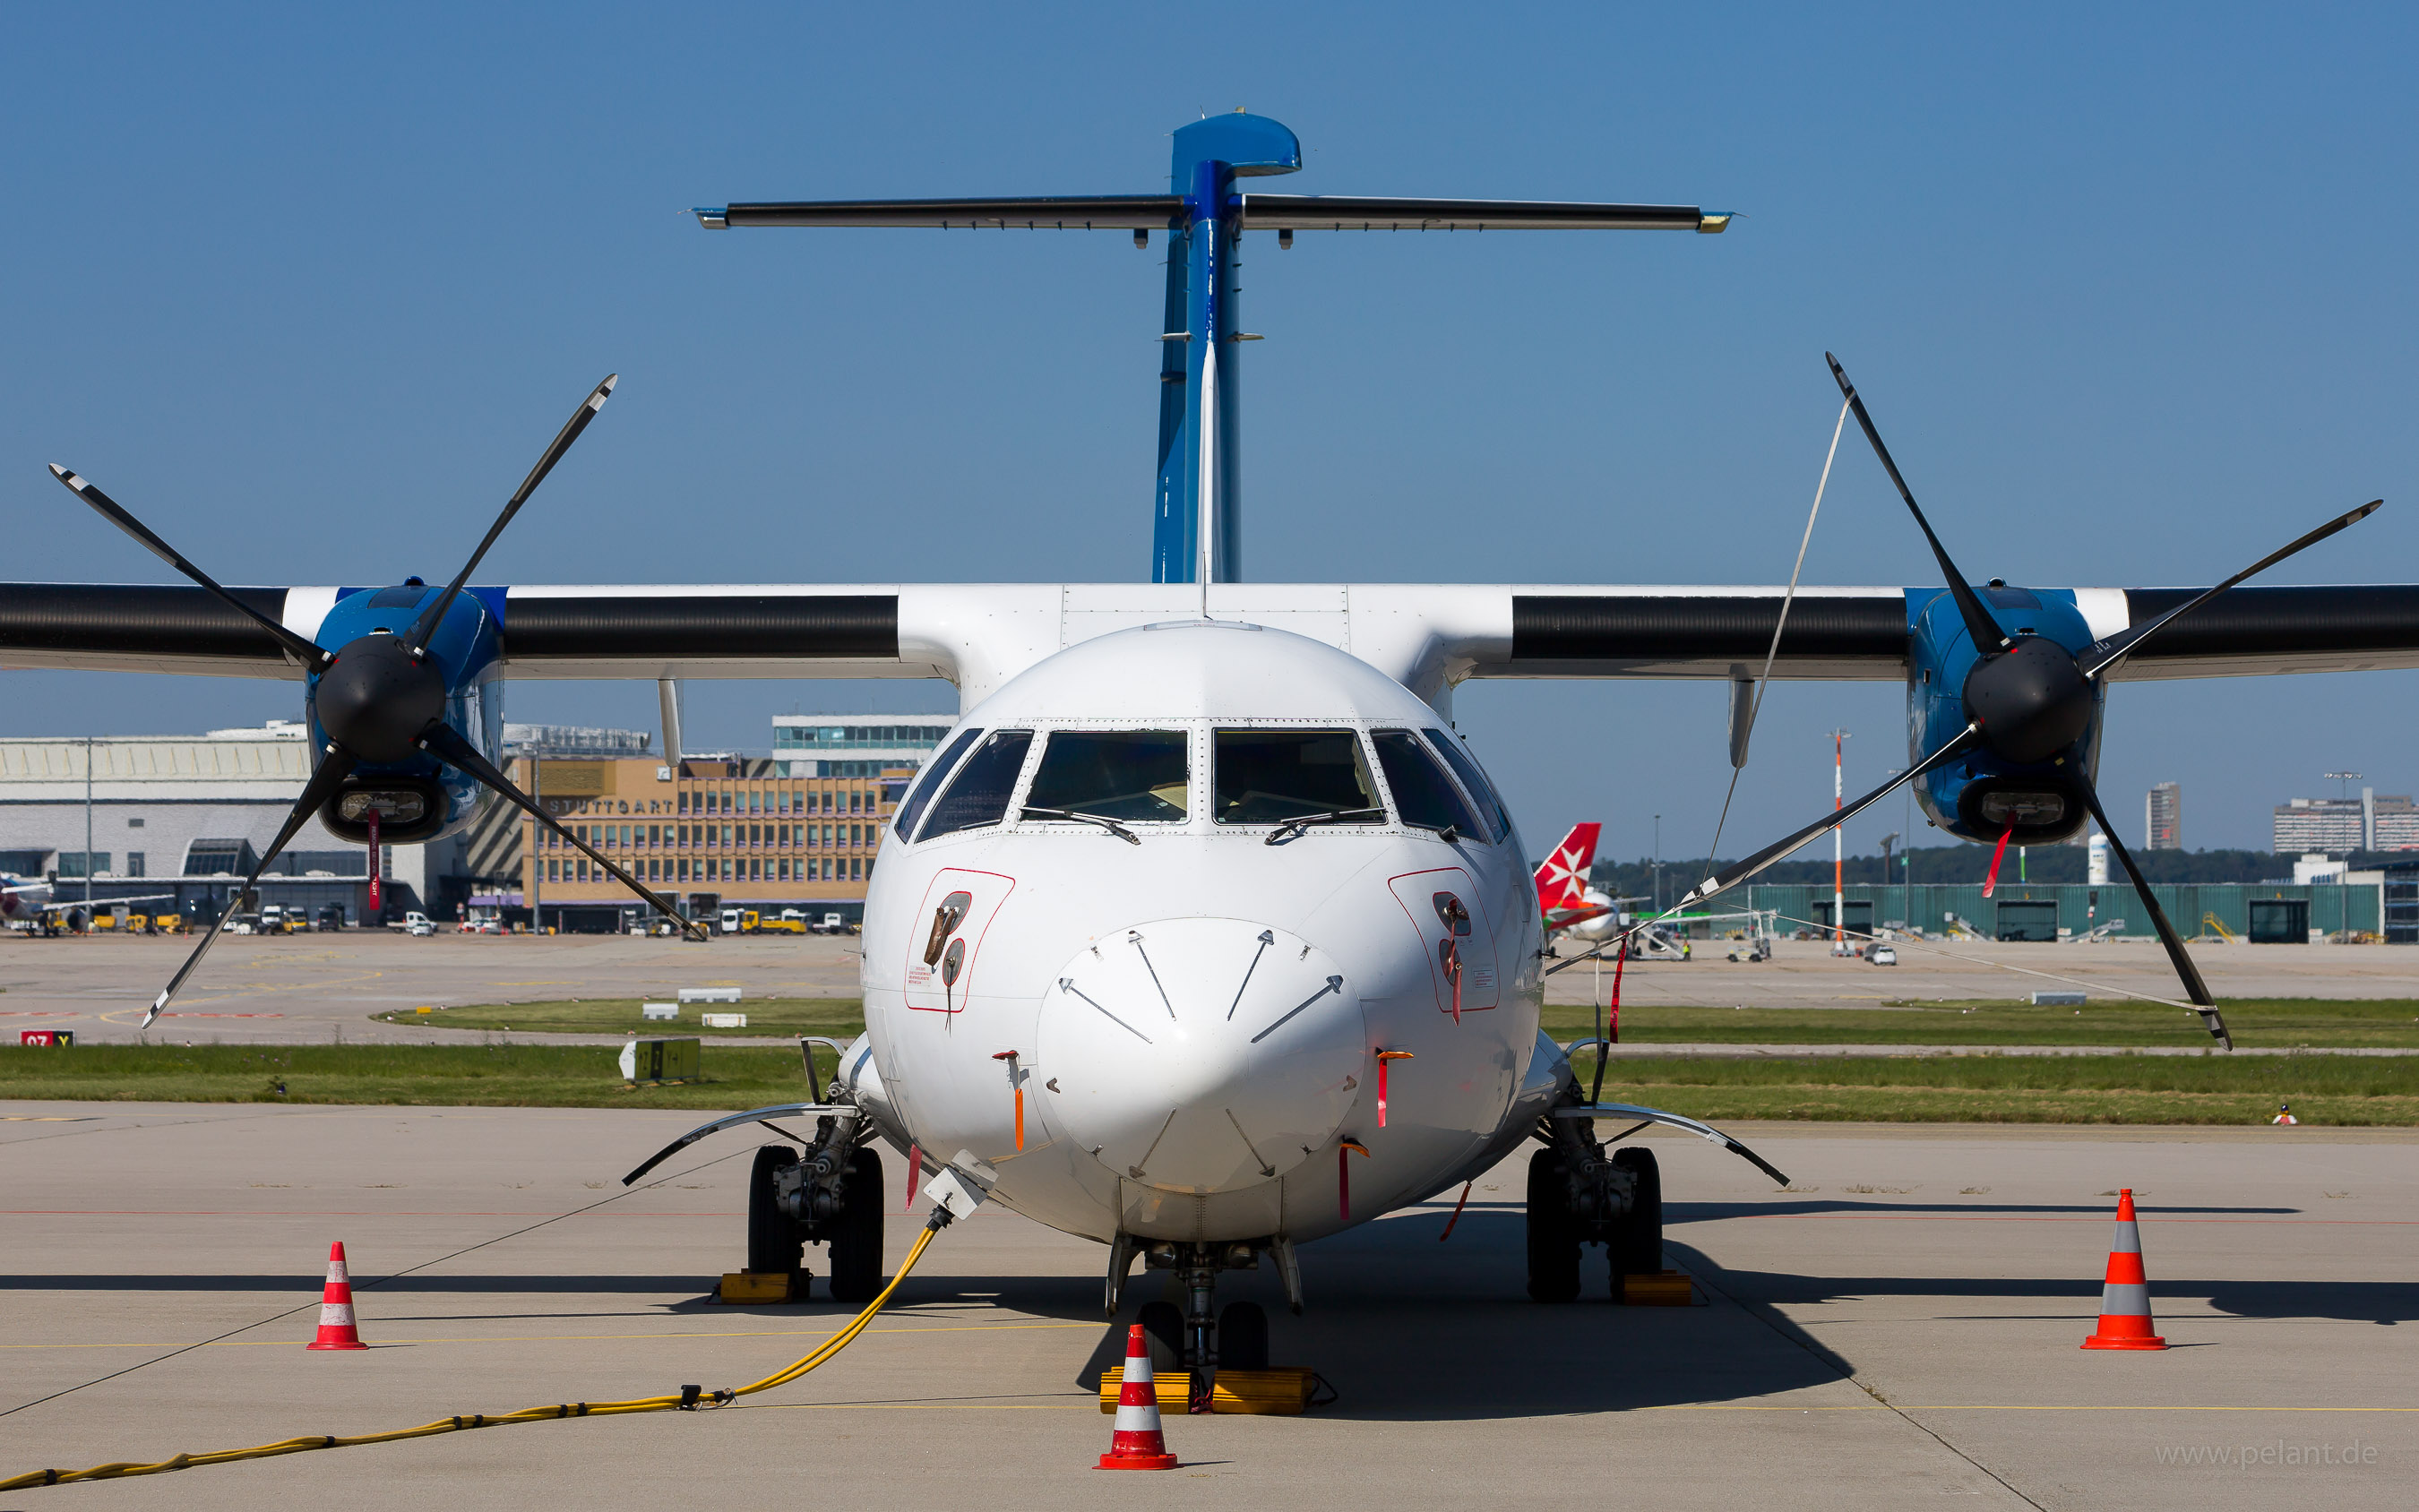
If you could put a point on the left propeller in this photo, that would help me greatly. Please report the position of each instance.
(2026, 700)
(380, 698)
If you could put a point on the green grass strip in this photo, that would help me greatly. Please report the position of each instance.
(2238, 1089)
(447, 1075)
(838, 1018)
(2264, 1023)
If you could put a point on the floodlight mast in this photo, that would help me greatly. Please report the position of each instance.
(1196, 528)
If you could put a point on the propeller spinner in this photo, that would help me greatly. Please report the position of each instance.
(380, 698)
(2027, 700)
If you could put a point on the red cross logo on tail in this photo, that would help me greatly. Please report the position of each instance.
(1561, 878)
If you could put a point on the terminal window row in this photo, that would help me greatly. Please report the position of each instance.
(719, 836)
(787, 737)
(719, 869)
(729, 800)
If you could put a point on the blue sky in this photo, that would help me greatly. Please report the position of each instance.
(2127, 289)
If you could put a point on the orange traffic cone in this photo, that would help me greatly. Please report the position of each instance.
(336, 1330)
(1136, 1443)
(2125, 1322)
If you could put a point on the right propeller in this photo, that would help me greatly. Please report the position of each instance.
(2023, 715)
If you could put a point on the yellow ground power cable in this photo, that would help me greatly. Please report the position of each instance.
(688, 1398)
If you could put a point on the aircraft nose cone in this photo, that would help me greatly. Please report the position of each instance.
(1201, 1055)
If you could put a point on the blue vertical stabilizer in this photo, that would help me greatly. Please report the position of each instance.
(1200, 398)
(1204, 216)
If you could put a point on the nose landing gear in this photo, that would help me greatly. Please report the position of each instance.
(1200, 1337)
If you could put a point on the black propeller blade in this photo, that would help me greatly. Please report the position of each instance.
(2195, 988)
(434, 616)
(1985, 630)
(334, 766)
(2029, 700)
(1731, 876)
(446, 743)
(310, 654)
(379, 699)
(2108, 654)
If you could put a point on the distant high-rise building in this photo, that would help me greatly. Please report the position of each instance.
(2337, 827)
(2164, 818)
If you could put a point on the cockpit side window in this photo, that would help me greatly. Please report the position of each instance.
(1425, 796)
(978, 795)
(1267, 776)
(1132, 775)
(935, 775)
(1474, 778)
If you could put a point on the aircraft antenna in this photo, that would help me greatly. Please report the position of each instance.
(1742, 728)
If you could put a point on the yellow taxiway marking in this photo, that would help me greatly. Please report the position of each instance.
(1994, 1407)
(1087, 1405)
(566, 1338)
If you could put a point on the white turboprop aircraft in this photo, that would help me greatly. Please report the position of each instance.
(1204, 934)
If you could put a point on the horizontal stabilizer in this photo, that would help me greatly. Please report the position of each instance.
(1061, 212)
(1258, 212)
(1343, 212)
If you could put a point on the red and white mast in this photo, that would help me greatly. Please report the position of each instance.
(1838, 892)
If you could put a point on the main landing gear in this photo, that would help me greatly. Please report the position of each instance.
(1579, 1195)
(831, 1193)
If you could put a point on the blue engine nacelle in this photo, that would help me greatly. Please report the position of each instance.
(421, 798)
(1982, 795)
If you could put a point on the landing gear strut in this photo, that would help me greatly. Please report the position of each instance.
(1199, 1336)
(1577, 1194)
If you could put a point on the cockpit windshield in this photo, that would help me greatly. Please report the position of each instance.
(1113, 774)
(1267, 776)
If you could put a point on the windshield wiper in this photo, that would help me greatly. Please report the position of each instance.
(1119, 830)
(1332, 816)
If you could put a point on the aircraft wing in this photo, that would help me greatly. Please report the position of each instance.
(74, 903)
(1429, 636)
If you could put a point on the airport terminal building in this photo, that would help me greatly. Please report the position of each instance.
(719, 832)
(186, 817)
(798, 829)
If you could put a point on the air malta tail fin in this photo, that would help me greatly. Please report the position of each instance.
(1562, 877)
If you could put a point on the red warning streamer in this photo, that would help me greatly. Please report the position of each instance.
(1383, 1057)
(1343, 1177)
(1456, 1210)
(1017, 1083)
(1992, 881)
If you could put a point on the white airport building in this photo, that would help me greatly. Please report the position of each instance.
(855, 745)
